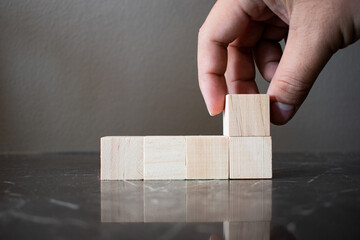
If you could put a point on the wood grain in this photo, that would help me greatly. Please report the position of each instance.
(250, 157)
(246, 115)
(207, 157)
(121, 158)
(164, 157)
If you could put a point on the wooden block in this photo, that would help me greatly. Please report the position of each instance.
(164, 157)
(121, 158)
(247, 230)
(207, 157)
(164, 201)
(250, 157)
(207, 201)
(122, 201)
(250, 200)
(247, 115)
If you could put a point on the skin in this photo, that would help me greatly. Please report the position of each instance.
(237, 34)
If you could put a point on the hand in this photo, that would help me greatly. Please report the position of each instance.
(238, 32)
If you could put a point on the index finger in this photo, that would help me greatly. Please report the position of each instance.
(225, 22)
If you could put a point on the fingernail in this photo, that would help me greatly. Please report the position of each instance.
(285, 107)
(211, 114)
(281, 113)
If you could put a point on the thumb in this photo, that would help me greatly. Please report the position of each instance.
(304, 56)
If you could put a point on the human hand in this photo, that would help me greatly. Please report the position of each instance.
(238, 32)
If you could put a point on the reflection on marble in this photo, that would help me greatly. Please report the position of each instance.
(164, 201)
(247, 230)
(185, 201)
(250, 200)
(243, 206)
(122, 202)
(60, 196)
(207, 201)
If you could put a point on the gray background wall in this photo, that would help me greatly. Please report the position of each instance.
(73, 71)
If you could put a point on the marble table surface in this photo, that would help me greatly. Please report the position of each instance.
(60, 196)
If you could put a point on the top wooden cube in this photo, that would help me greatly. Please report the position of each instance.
(247, 115)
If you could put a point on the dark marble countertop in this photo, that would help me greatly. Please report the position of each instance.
(60, 196)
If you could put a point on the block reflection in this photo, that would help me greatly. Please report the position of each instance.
(186, 201)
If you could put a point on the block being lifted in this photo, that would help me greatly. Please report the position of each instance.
(247, 115)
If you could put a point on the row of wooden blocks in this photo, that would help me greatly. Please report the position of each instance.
(244, 152)
(185, 157)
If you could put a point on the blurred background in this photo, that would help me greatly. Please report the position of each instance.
(74, 71)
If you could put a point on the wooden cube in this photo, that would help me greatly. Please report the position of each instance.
(207, 157)
(247, 115)
(164, 157)
(121, 158)
(250, 157)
